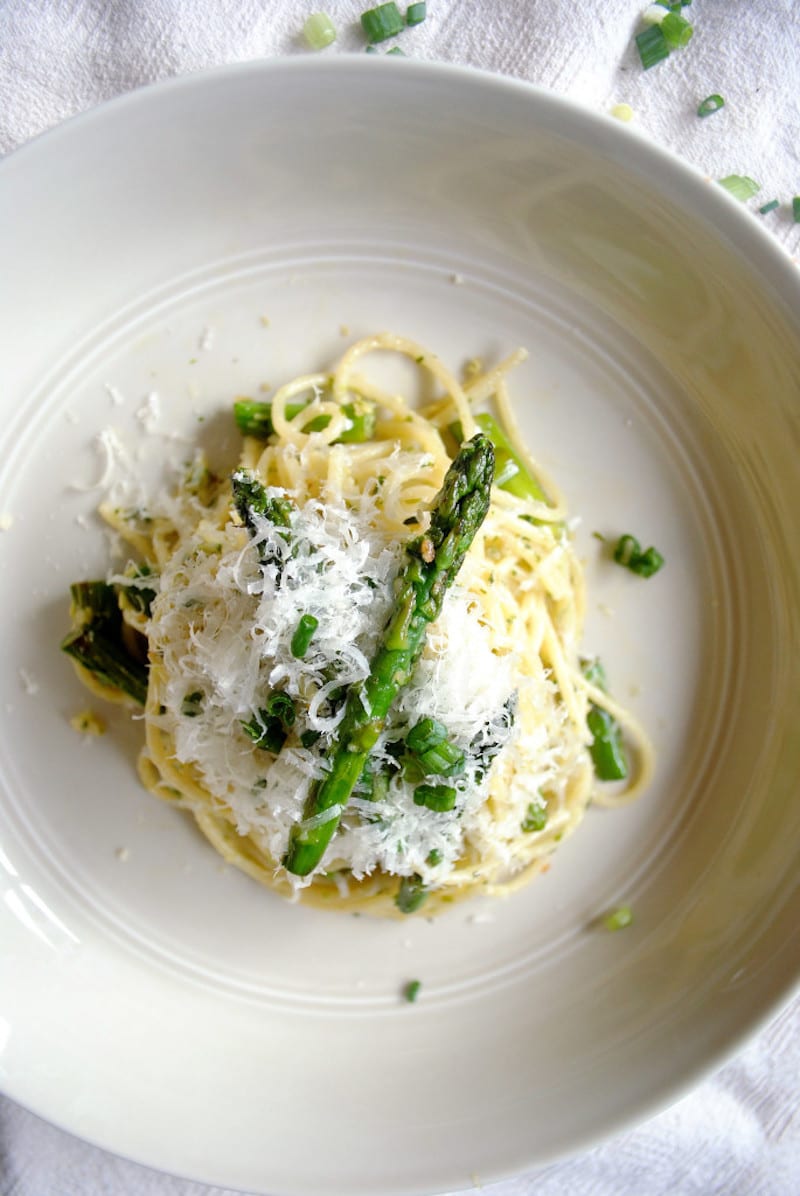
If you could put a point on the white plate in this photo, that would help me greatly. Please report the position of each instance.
(170, 1009)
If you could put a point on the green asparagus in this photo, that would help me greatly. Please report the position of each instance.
(96, 641)
(606, 749)
(254, 418)
(432, 562)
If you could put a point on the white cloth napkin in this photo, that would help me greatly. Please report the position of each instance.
(739, 1132)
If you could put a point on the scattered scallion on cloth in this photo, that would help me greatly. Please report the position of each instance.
(319, 31)
(677, 30)
(770, 207)
(395, 52)
(411, 990)
(710, 104)
(416, 13)
(740, 186)
(382, 22)
(652, 45)
(796, 208)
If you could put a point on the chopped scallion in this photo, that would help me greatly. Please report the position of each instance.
(395, 52)
(676, 29)
(535, 819)
(382, 22)
(411, 894)
(710, 104)
(304, 633)
(319, 31)
(769, 207)
(652, 45)
(416, 13)
(411, 991)
(619, 918)
(435, 797)
(628, 552)
(740, 186)
(796, 208)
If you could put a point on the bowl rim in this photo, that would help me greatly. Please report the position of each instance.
(726, 218)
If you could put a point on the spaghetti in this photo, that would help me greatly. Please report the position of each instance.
(500, 675)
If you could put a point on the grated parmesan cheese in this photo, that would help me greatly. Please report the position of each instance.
(222, 627)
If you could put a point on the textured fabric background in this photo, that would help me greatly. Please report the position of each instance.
(738, 1133)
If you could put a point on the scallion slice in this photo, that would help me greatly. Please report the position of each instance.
(710, 104)
(319, 31)
(796, 208)
(619, 918)
(769, 207)
(676, 29)
(416, 13)
(303, 634)
(382, 22)
(740, 186)
(652, 45)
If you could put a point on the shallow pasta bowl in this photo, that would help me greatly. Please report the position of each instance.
(203, 237)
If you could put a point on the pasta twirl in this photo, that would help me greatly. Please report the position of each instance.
(482, 765)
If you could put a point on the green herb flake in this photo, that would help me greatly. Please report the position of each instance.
(411, 990)
(619, 918)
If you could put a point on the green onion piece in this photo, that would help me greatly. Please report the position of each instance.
(411, 894)
(382, 22)
(425, 734)
(319, 31)
(619, 918)
(628, 548)
(281, 706)
(309, 738)
(628, 552)
(740, 186)
(652, 45)
(710, 104)
(443, 759)
(396, 52)
(265, 732)
(769, 207)
(535, 818)
(270, 726)
(372, 50)
(192, 704)
(676, 29)
(411, 991)
(434, 857)
(796, 209)
(304, 633)
(435, 797)
(647, 563)
(416, 13)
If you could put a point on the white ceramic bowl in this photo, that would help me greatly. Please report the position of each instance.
(171, 1010)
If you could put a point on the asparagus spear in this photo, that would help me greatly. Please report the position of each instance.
(250, 499)
(510, 474)
(96, 640)
(254, 418)
(606, 749)
(432, 562)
